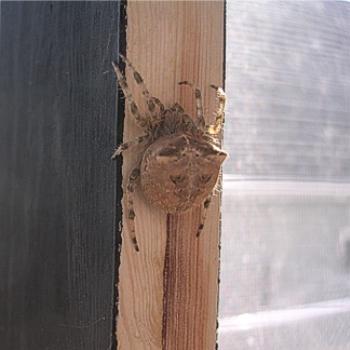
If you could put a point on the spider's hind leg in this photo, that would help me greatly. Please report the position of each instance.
(130, 211)
(205, 207)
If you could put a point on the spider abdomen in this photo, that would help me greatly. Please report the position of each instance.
(180, 171)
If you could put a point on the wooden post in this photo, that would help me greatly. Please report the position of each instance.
(175, 307)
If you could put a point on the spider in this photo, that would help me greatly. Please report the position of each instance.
(181, 158)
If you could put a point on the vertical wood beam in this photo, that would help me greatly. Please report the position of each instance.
(169, 42)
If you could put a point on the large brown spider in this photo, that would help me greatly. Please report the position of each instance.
(181, 158)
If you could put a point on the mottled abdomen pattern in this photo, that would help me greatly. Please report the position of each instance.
(179, 172)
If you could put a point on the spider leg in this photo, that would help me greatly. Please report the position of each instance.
(158, 103)
(177, 108)
(141, 120)
(200, 122)
(151, 101)
(127, 145)
(130, 212)
(205, 207)
(214, 129)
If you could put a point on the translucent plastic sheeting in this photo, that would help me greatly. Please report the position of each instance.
(285, 256)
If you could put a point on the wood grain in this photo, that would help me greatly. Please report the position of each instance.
(57, 183)
(169, 42)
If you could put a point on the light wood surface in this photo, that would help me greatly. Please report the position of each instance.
(169, 42)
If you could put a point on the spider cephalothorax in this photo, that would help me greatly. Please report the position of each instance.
(181, 159)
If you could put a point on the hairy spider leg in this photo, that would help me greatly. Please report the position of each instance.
(200, 122)
(130, 212)
(205, 207)
(214, 129)
(141, 120)
(130, 144)
(151, 101)
(158, 103)
(177, 108)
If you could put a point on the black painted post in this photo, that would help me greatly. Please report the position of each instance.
(58, 188)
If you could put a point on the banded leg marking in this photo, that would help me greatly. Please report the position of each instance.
(151, 101)
(130, 211)
(205, 207)
(200, 122)
(214, 129)
(128, 145)
(141, 120)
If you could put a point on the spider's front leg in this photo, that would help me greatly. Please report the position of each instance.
(128, 145)
(150, 100)
(130, 212)
(200, 122)
(215, 128)
(142, 121)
